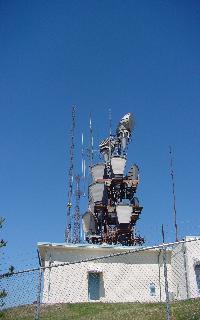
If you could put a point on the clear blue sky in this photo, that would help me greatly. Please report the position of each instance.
(132, 56)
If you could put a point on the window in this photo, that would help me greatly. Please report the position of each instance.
(152, 289)
(197, 272)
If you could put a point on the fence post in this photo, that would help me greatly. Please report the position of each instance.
(37, 313)
(168, 311)
(185, 268)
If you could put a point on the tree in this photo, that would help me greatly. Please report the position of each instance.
(3, 293)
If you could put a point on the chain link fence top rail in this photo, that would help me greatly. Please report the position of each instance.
(164, 279)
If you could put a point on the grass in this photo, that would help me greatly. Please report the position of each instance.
(184, 310)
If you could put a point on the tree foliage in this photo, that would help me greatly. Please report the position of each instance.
(3, 293)
(2, 242)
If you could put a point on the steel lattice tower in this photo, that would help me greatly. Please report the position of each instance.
(77, 212)
(68, 236)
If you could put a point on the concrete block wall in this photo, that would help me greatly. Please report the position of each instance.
(126, 278)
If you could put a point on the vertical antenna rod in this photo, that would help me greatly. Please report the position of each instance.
(68, 238)
(110, 121)
(83, 163)
(77, 212)
(110, 133)
(82, 155)
(174, 196)
(91, 152)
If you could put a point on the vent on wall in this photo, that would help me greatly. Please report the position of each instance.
(152, 289)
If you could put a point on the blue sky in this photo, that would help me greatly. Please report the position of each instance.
(130, 56)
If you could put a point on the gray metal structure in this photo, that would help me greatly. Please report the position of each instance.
(113, 210)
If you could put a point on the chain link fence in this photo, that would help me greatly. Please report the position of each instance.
(160, 282)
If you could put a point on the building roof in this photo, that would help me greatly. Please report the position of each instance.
(87, 245)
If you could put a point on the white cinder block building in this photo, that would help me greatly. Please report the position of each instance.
(130, 277)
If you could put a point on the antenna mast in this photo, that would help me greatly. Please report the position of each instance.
(68, 238)
(174, 196)
(77, 212)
